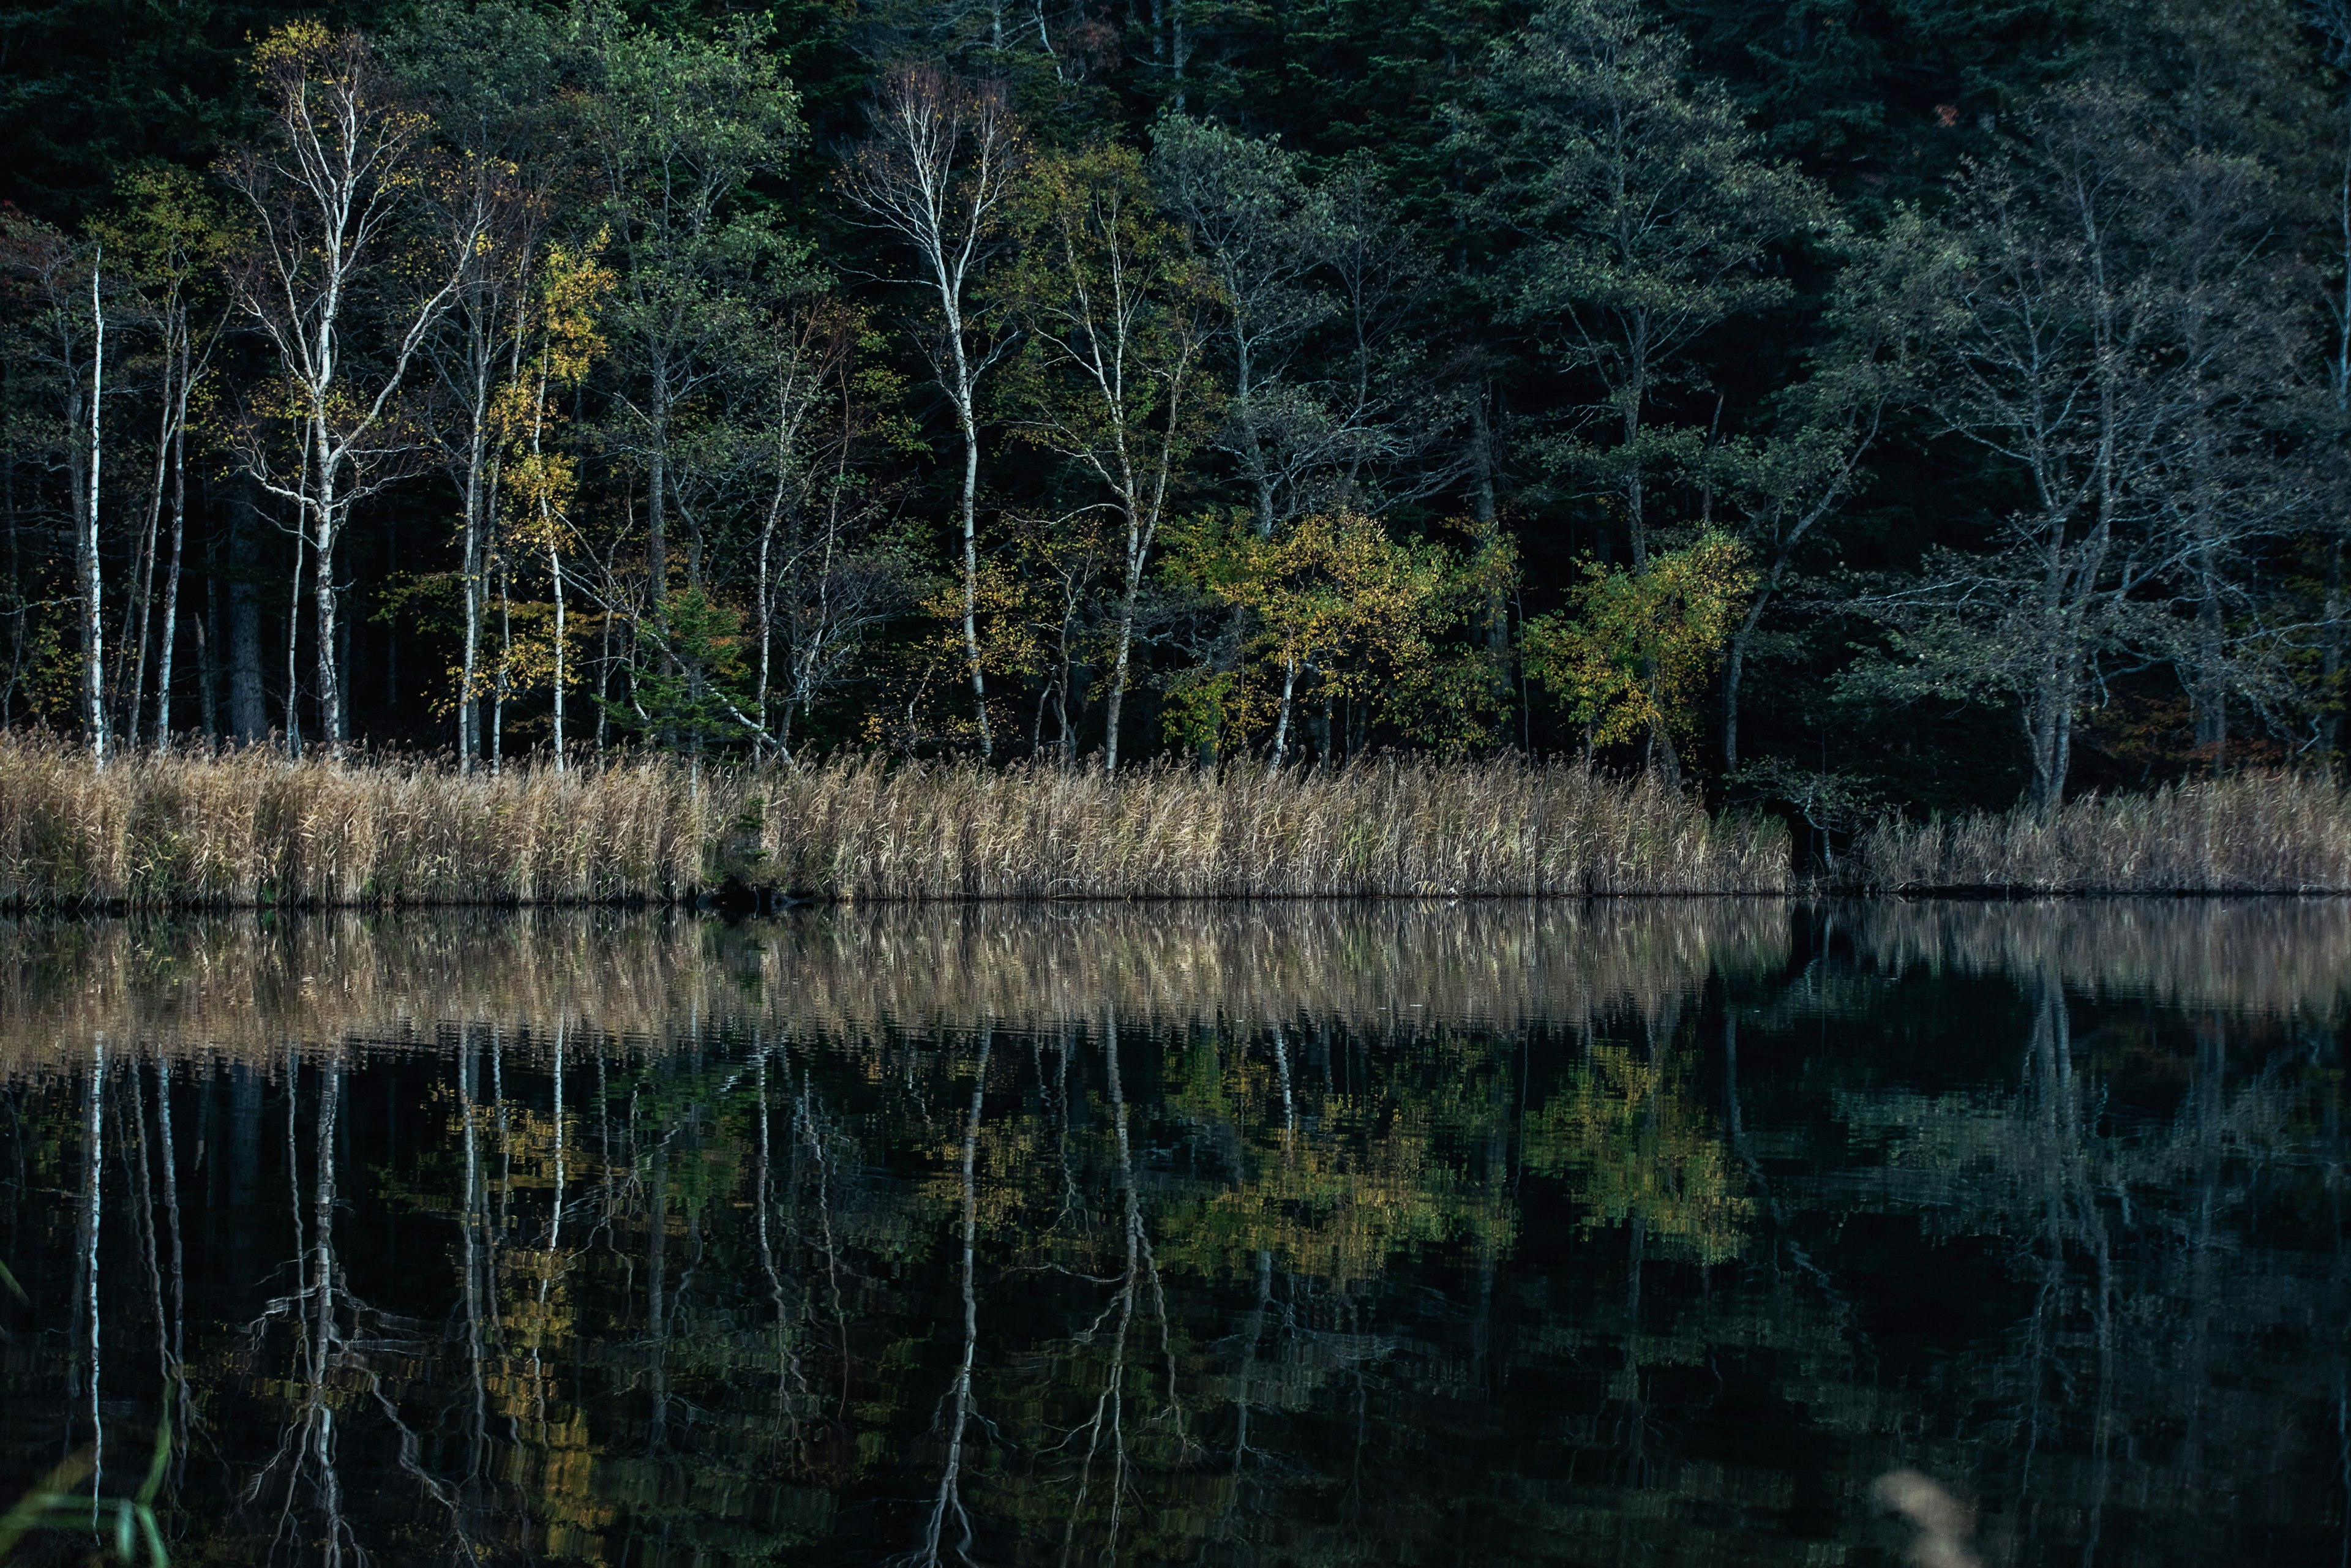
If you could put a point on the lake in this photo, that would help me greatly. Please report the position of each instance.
(1643, 1232)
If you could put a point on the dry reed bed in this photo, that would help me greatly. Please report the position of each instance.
(1385, 828)
(249, 829)
(2255, 833)
(250, 988)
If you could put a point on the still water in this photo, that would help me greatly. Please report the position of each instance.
(1645, 1233)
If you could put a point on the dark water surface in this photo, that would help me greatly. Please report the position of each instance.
(1645, 1233)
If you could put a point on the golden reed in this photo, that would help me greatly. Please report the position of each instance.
(249, 829)
(2252, 832)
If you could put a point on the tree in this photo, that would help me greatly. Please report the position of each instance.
(678, 128)
(1109, 379)
(2332, 18)
(937, 170)
(1645, 209)
(324, 281)
(2096, 317)
(828, 577)
(570, 289)
(488, 76)
(693, 697)
(1338, 609)
(62, 288)
(1263, 235)
(1318, 284)
(172, 240)
(1636, 647)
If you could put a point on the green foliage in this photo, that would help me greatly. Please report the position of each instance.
(1634, 649)
(55, 1504)
(1643, 205)
(690, 694)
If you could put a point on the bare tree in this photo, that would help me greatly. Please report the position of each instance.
(937, 170)
(173, 238)
(1111, 376)
(1265, 235)
(2097, 330)
(324, 287)
(93, 596)
(1317, 285)
(825, 582)
(485, 76)
(2333, 20)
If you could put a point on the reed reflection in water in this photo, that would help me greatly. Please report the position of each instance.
(1644, 1232)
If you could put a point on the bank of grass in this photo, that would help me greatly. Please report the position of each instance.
(249, 829)
(2250, 833)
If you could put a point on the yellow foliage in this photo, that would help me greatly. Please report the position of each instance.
(1340, 607)
(1636, 647)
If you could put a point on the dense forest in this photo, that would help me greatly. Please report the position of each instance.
(1843, 403)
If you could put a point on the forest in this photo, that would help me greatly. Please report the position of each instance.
(1835, 407)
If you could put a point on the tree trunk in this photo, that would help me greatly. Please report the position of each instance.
(1282, 723)
(293, 641)
(93, 629)
(965, 412)
(2331, 657)
(207, 630)
(657, 521)
(179, 540)
(333, 723)
(1734, 670)
(248, 706)
(1118, 672)
(469, 712)
(555, 574)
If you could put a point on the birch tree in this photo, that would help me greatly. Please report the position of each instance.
(341, 289)
(172, 239)
(490, 77)
(1110, 378)
(62, 290)
(937, 169)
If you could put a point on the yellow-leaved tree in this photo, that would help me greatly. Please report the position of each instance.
(1338, 609)
(1633, 651)
(560, 339)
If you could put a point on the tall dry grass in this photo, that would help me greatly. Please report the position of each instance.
(1398, 827)
(2255, 833)
(250, 828)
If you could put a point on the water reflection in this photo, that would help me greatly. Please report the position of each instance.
(1639, 1232)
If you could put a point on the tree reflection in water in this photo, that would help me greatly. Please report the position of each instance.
(1648, 1233)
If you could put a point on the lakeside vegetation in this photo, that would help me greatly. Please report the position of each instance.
(251, 829)
(1861, 413)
